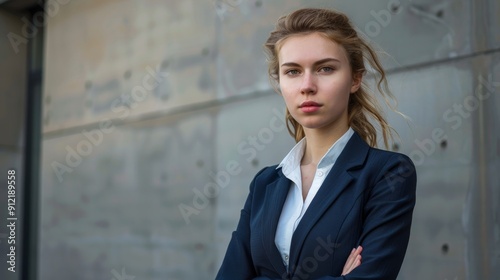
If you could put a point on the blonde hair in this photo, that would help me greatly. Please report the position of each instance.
(338, 28)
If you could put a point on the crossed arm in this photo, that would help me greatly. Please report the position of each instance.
(386, 229)
(353, 261)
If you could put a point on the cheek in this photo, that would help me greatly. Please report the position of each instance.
(286, 92)
(339, 99)
(341, 90)
(343, 97)
(287, 99)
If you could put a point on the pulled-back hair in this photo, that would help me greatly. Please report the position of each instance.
(337, 27)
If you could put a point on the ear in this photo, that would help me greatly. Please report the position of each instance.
(357, 78)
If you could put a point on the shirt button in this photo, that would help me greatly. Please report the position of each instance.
(286, 257)
(320, 173)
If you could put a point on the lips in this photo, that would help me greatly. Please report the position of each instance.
(309, 106)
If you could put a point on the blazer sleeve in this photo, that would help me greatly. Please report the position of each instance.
(237, 263)
(387, 220)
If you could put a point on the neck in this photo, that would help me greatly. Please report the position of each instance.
(318, 141)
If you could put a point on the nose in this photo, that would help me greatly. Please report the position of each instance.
(308, 85)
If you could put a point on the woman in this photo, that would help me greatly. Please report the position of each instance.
(335, 207)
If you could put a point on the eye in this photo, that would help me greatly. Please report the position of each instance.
(326, 69)
(292, 72)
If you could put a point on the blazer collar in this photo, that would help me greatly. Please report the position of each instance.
(353, 155)
(275, 197)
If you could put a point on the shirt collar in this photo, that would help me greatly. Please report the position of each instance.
(293, 158)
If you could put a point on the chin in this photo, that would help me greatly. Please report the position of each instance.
(319, 124)
(312, 125)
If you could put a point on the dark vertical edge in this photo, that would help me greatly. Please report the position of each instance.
(479, 246)
(31, 160)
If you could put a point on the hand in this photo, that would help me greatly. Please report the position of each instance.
(353, 261)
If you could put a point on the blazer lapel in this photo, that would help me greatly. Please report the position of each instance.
(276, 193)
(335, 183)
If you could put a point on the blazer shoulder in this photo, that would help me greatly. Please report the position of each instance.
(384, 157)
(391, 166)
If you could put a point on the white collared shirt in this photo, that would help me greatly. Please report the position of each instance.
(295, 207)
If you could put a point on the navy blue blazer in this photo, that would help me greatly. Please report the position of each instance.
(367, 199)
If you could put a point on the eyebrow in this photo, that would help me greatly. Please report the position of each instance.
(321, 61)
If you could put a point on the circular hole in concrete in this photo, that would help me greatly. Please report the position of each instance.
(440, 13)
(445, 248)
(127, 74)
(395, 147)
(395, 8)
(443, 144)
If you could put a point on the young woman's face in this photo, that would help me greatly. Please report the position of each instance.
(315, 79)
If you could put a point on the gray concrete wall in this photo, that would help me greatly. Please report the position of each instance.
(153, 109)
(13, 79)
